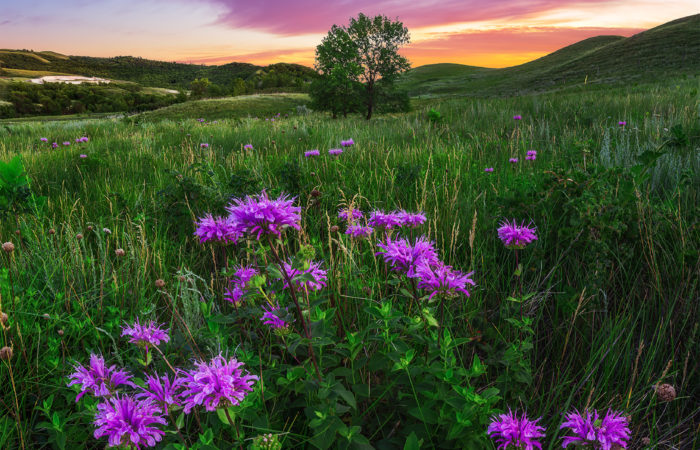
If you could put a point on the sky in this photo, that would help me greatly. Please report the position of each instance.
(488, 33)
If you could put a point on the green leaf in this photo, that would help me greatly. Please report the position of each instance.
(412, 442)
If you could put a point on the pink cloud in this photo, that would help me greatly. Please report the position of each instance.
(286, 17)
(501, 48)
(299, 55)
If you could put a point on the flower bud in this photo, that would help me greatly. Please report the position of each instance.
(89, 228)
(160, 283)
(60, 332)
(52, 231)
(119, 252)
(8, 247)
(6, 353)
(4, 318)
(79, 236)
(666, 392)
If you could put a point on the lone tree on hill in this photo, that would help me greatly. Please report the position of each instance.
(359, 63)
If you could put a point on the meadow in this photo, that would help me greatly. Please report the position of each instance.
(600, 312)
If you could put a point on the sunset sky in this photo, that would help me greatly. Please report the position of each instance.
(491, 33)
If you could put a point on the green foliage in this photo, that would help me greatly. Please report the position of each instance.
(595, 313)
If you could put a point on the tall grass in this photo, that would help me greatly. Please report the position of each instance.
(615, 310)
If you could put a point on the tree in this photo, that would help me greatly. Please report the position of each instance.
(199, 87)
(366, 52)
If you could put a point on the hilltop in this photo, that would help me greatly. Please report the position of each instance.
(26, 63)
(671, 49)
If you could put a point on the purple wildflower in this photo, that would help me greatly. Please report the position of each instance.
(259, 215)
(54, 145)
(161, 390)
(238, 285)
(516, 236)
(411, 219)
(127, 422)
(204, 145)
(248, 147)
(270, 317)
(380, 219)
(44, 139)
(349, 215)
(520, 432)
(221, 229)
(219, 383)
(347, 143)
(517, 117)
(317, 274)
(84, 139)
(358, 231)
(441, 278)
(145, 334)
(404, 257)
(513, 160)
(200, 120)
(488, 169)
(83, 155)
(622, 123)
(98, 379)
(335, 151)
(531, 155)
(311, 153)
(588, 430)
(66, 143)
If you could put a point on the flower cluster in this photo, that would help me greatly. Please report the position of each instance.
(513, 160)
(381, 219)
(238, 285)
(126, 421)
(588, 430)
(358, 231)
(531, 155)
(519, 432)
(516, 236)
(221, 229)
(404, 256)
(271, 317)
(488, 169)
(162, 390)
(347, 143)
(317, 277)
(439, 278)
(311, 153)
(218, 383)
(335, 151)
(248, 147)
(259, 215)
(44, 139)
(81, 139)
(349, 215)
(204, 145)
(98, 379)
(145, 334)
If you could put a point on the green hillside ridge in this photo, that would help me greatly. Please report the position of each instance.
(156, 73)
(671, 49)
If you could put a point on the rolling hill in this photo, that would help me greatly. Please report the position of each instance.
(671, 49)
(149, 72)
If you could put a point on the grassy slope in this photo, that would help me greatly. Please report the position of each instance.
(258, 105)
(669, 49)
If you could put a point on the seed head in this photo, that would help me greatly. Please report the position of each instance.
(52, 231)
(17, 232)
(89, 228)
(8, 247)
(160, 283)
(6, 353)
(334, 229)
(315, 193)
(46, 316)
(106, 231)
(79, 236)
(119, 252)
(666, 392)
(4, 318)
(646, 441)
(60, 332)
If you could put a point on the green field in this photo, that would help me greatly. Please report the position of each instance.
(603, 308)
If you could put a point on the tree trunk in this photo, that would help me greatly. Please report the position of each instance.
(370, 100)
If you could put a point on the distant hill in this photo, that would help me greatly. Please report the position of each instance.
(153, 73)
(671, 49)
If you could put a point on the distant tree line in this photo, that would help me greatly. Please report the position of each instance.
(28, 99)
